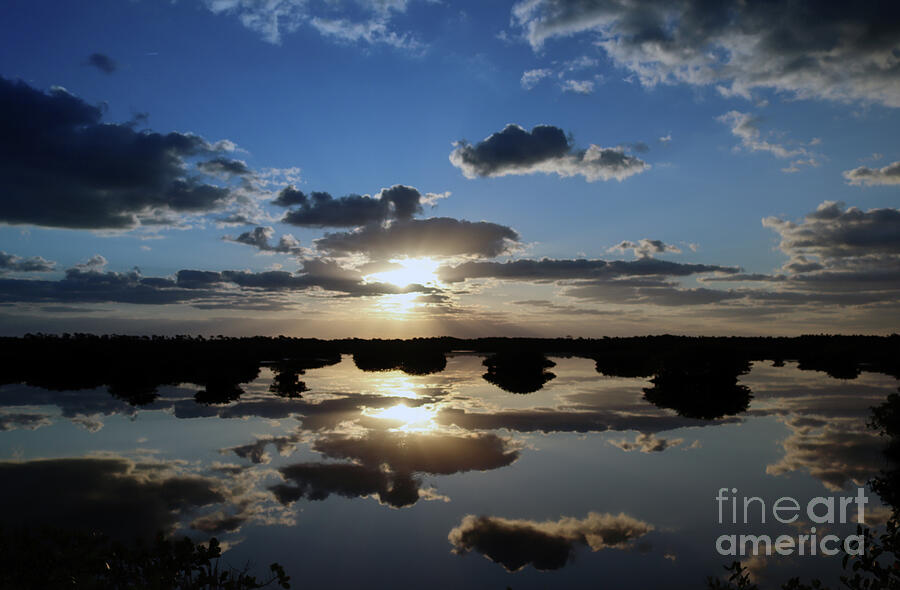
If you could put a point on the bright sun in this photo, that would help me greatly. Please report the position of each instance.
(410, 271)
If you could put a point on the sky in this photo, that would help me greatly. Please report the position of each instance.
(399, 168)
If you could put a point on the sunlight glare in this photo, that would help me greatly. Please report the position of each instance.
(412, 271)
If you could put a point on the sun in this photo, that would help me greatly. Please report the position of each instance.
(408, 272)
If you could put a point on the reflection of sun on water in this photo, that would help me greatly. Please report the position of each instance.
(412, 419)
(392, 384)
(411, 271)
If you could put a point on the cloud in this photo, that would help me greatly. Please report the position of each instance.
(578, 86)
(838, 235)
(259, 238)
(61, 167)
(102, 62)
(745, 127)
(888, 175)
(222, 166)
(385, 464)
(275, 18)
(645, 248)
(89, 283)
(436, 236)
(836, 453)
(318, 481)
(547, 545)
(256, 451)
(543, 149)
(587, 419)
(838, 255)
(318, 209)
(647, 443)
(849, 52)
(550, 270)
(372, 32)
(13, 263)
(532, 78)
(25, 421)
(548, 305)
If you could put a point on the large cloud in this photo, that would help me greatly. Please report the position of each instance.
(385, 465)
(838, 255)
(60, 166)
(544, 149)
(808, 48)
(436, 236)
(547, 545)
(318, 481)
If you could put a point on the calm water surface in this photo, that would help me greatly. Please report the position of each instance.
(386, 479)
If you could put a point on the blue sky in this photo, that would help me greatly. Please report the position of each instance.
(356, 96)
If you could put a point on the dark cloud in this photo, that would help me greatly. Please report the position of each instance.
(209, 289)
(547, 545)
(838, 255)
(838, 235)
(544, 149)
(864, 175)
(102, 62)
(436, 236)
(399, 203)
(122, 498)
(549, 270)
(848, 52)
(60, 166)
(317, 481)
(290, 196)
(222, 166)
(92, 286)
(13, 263)
(259, 238)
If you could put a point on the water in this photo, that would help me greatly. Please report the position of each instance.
(445, 480)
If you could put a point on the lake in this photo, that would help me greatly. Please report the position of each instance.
(456, 477)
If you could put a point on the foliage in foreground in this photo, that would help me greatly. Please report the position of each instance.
(52, 558)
